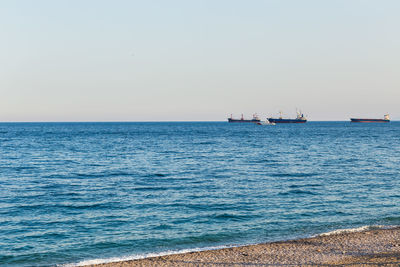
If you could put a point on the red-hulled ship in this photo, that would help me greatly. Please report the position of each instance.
(385, 119)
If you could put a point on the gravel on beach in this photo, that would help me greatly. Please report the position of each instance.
(367, 248)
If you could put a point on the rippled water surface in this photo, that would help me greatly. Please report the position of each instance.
(71, 192)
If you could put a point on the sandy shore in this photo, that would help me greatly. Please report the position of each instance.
(368, 248)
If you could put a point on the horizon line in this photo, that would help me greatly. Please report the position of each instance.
(122, 121)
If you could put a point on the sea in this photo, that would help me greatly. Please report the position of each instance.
(79, 193)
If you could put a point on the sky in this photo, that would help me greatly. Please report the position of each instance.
(93, 60)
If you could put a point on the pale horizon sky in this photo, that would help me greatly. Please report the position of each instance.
(172, 60)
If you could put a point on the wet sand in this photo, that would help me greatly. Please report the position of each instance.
(367, 248)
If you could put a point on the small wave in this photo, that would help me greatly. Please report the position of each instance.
(304, 185)
(232, 217)
(100, 174)
(154, 175)
(159, 175)
(392, 219)
(22, 168)
(205, 143)
(79, 206)
(357, 229)
(297, 192)
(68, 205)
(299, 175)
(152, 188)
(162, 227)
(141, 256)
(266, 161)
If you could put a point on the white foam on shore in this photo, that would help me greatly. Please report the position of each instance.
(173, 252)
(141, 256)
(355, 230)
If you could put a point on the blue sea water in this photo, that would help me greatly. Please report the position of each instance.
(73, 192)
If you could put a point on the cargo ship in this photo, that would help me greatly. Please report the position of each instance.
(385, 119)
(255, 119)
(299, 119)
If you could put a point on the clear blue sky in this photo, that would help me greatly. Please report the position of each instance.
(198, 60)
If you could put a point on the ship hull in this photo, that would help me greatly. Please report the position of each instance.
(368, 120)
(235, 120)
(272, 120)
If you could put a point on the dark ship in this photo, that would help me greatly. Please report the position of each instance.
(385, 119)
(299, 119)
(255, 119)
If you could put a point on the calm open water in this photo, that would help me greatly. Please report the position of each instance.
(72, 192)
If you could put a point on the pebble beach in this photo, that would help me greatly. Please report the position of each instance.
(366, 248)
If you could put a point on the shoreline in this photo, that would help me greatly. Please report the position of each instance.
(377, 247)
